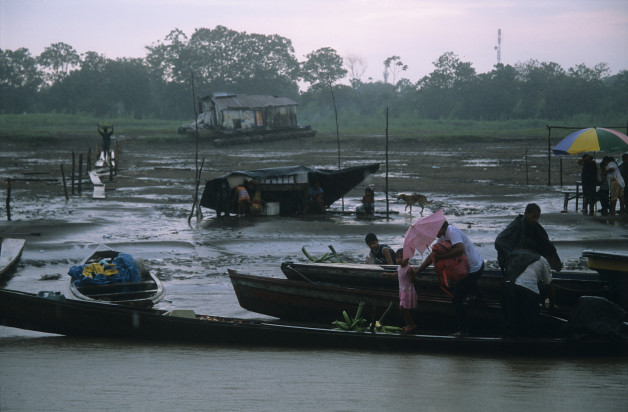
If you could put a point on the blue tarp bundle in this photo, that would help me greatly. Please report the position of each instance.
(121, 269)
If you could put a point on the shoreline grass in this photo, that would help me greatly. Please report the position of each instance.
(48, 125)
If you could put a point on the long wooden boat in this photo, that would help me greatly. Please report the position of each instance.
(51, 312)
(144, 293)
(569, 286)
(286, 186)
(319, 302)
(10, 253)
(613, 268)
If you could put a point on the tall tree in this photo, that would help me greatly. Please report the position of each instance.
(19, 80)
(321, 67)
(356, 67)
(392, 67)
(58, 59)
(170, 59)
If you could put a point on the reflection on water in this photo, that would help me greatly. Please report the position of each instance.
(58, 373)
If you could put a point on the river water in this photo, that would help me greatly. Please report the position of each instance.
(149, 220)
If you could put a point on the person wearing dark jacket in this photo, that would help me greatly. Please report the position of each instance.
(589, 177)
(524, 227)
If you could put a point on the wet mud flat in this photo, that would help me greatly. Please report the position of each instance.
(481, 186)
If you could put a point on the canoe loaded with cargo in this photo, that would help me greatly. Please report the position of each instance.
(51, 312)
(114, 277)
(230, 119)
(283, 190)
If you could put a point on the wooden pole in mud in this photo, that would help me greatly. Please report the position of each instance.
(527, 174)
(9, 199)
(549, 155)
(199, 214)
(72, 174)
(197, 172)
(65, 186)
(333, 98)
(387, 205)
(80, 174)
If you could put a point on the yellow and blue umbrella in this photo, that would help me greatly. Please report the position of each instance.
(593, 139)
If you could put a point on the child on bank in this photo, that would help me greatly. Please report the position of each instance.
(407, 294)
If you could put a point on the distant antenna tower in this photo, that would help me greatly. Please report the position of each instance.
(499, 46)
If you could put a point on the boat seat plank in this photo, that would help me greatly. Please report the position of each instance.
(131, 285)
(113, 294)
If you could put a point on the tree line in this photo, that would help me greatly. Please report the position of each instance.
(222, 60)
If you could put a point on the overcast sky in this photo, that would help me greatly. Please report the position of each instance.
(568, 32)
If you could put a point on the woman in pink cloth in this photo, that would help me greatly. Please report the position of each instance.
(407, 295)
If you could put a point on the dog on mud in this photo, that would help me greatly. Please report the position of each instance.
(416, 198)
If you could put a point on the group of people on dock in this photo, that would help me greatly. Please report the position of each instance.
(526, 258)
(605, 183)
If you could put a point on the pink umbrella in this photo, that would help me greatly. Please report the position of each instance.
(422, 233)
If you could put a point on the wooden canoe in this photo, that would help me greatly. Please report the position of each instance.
(613, 268)
(323, 303)
(51, 312)
(144, 293)
(10, 253)
(569, 286)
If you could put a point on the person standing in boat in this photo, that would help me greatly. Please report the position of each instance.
(524, 227)
(524, 270)
(466, 289)
(379, 254)
(407, 294)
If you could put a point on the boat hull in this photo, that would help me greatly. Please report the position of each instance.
(613, 268)
(569, 286)
(143, 294)
(323, 303)
(52, 313)
(286, 186)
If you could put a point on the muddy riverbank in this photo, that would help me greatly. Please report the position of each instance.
(481, 185)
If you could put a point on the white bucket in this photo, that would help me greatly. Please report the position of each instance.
(271, 209)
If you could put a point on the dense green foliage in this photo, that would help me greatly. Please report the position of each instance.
(159, 86)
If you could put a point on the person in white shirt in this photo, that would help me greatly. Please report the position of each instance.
(467, 287)
(525, 270)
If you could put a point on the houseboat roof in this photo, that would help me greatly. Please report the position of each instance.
(250, 101)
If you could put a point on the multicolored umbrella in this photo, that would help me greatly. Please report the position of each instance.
(422, 233)
(593, 139)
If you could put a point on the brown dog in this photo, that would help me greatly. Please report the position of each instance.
(412, 199)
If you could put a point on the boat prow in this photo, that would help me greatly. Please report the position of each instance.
(10, 253)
